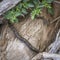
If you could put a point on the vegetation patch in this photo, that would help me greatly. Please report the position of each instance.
(32, 7)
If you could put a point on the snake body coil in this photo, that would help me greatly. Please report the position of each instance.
(22, 39)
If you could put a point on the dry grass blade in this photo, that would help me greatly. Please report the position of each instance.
(55, 20)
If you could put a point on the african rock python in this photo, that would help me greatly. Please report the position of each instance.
(4, 42)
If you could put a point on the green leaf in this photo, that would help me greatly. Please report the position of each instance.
(17, 14)
(49, 1)
(24, 11)
(41, 6)
(25, 0)
(30, 5)
(16, 20)
(32, 17)
(51, 11)
(33, 14)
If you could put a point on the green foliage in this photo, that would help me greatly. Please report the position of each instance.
(35, 7)
(35, 12)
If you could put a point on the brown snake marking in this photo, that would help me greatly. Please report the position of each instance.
(3, 42)
(22, 39)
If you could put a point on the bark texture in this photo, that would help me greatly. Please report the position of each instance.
(6, 5)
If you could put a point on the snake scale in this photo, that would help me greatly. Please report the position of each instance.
(21, 38)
